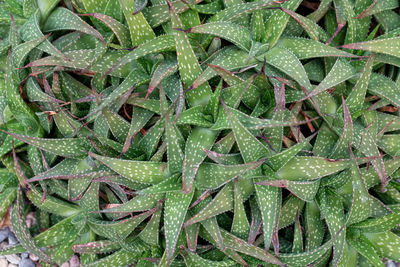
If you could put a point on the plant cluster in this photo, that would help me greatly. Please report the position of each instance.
(202, 132)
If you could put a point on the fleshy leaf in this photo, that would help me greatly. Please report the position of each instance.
(64, 19)
(139, 171)
(175, 210)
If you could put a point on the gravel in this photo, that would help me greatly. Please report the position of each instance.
(33, 257)
(27, 263)
(12, 240)
(4, 233)
(24, 255)
(14, 259)
(3, 262)
(74, 261)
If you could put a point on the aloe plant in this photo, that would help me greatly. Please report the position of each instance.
(192, 133)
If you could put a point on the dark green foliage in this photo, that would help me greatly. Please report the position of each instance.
(202, 132)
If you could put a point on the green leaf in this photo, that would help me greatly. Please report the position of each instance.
(288, 63)
(64, 19)
(7, 197)
(119, 29)
(385, 46)
(361, 203)
(314, 226)
(21, 51)
(52, 204)
(135, 78)
(277, 22)
(332, 209)
(250, 148)
(170, 184)
(385, 244)
(138, 26)
(278, 160)
(159, 13)
(54, 235)
(138, 203)
(175, 210)
(257, 26)
(365, 248)
(339, 73)
(212, 176)
(165, 69)
(221, 203)
(46, 6)
(118, 125)
(140, 171)
(303, 190)
(150, 234)
(226, 30)
(21, 230)
(289, 211)
(175, 145)
(269, 201)
(158, 44)
(306, 48)
(198, 140)
(117, 230)
(66, 147)
(379, 225)
(346, 139)
(242, 246)
(31, 31)
(305, 258)
(387, 88)
(313, 30)
(193, 259)
(189, 67)
(378, 6)
(122, 256)
(302, 168)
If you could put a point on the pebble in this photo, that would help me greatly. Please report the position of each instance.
(33, 257)
(14, 259)
(3, 263)
(27, 263)
(12, 265)
(25, 255)
(65, 264)
(12, 239)
(74, 261)
(30, 219)
(4, 233)
(3, 244)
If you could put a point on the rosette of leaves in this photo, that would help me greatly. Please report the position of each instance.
(202, 133)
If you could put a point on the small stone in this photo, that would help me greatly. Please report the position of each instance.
(65, 264)
(12, 240)
(3, 263)
(25, 255)
(14, 259)
(4, 233)
(30, 219)
(27, 263)
(12, 265)
(3, 244)
(33, 257)
(74, 261)
(390, 264)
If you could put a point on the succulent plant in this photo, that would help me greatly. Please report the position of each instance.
(202, 133)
